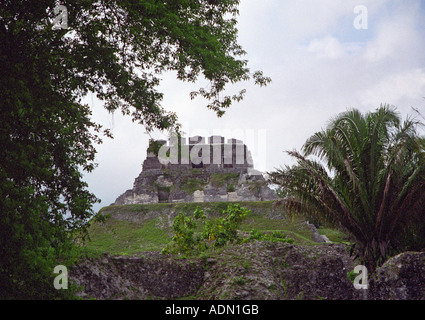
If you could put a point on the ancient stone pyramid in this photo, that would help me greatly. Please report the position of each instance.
(197, 172)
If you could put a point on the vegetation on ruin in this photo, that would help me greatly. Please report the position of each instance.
(215, 233)
(224, 179)
(190, 184)
(132, 229)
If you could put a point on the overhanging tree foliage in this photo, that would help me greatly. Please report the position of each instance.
(365, 173)
(118, 50)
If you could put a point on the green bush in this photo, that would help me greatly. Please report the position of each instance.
(224, 229)
(221, 179)
(216, 233)
(230, 188)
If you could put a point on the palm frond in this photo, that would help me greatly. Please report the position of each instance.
(369, 178)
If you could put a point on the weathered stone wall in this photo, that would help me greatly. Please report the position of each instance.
(400, 278)
(255, 270)
(197, 185)
(137, 277)
(186, 174)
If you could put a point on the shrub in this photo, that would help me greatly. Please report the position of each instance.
(216, 233)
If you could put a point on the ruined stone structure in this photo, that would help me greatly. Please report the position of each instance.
(197, 172)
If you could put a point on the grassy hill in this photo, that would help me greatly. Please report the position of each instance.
(131, 229)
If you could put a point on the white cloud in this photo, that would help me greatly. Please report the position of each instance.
(397, 35)
(397, 88)
(327, 47)
(294, 21)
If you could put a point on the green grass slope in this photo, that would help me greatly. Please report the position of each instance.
(131, 229)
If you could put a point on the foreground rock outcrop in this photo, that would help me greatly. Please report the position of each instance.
(255, 270)
(146, 277)
(400, 278)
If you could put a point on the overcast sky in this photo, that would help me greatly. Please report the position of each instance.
(323, 57)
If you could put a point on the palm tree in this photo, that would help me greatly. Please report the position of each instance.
(364, 174)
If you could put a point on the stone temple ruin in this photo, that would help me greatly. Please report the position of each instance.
(197, 172)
